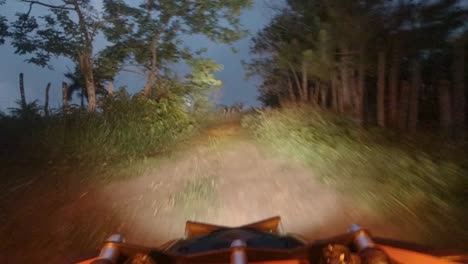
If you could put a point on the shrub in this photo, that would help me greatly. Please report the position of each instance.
(127, 126)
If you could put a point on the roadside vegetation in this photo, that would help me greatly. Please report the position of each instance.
(110, 128)
(420, 179)
(81, 147)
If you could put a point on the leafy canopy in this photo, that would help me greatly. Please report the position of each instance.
(148, 35)
(58, 33)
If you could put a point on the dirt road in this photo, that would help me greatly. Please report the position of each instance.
(227, 179)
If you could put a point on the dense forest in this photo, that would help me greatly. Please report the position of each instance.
(395, 64)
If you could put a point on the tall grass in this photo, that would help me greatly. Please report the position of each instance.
(126, 128)
(386, 173)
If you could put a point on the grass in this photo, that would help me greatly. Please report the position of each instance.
(198, 194)
(407, 177)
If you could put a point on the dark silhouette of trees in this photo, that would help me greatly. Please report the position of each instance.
(375, 61)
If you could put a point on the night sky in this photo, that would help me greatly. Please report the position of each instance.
(236, 87)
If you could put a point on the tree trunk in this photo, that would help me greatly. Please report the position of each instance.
(334, 94)
(345, 82)
(393, 84)
(86, 59)
(292, 96)
(64, 97)
(445, 109)
(404, 106)
(148, 85)
(361, 89)
(153, 74)
(110, 88)
(323, 96)
(22, 93)
(46, 100)
(83, 93)
(86, 68)
(381, 68)
(298, 83)
(90, 88)
(305, 82)
(316, 93)
(459, 111)
(413, 111)
(281, 100)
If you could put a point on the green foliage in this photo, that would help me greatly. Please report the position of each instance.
(375, 169)
(200, 82)
(30, 111)
(202, 73)
(56, 33)
(146, 36)
(127, 127)
(78, 81)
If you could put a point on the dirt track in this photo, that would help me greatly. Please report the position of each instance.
(242, 181)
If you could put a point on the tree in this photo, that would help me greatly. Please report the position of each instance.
(381, 88)
(77, 82)
(413, 111)
(3, 26)
(282, 62)
(146, 37)
(445, 113)
(426, 28)
(67, 30)
(200, 82)
(29, 111)
(367, 53)
(459, 94)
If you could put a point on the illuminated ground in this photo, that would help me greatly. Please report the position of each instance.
(225, 179)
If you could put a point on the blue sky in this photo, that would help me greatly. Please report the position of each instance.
(236, 88)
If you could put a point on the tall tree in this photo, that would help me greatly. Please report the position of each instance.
(381, 88)
(147, 36)
(413, 111)
(77, 81)
(200, 82)
(68, 30)
(368, 53)
(445, 111)
(459, 88)
(459, 93)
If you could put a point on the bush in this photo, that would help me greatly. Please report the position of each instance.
(128, 126)
(376, 169)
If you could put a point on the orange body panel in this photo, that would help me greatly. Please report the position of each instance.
(411, 257)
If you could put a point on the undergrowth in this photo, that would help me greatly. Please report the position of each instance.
(126, 128)
(418, 179)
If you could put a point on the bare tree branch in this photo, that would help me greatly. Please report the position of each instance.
(132, 71)
(31, 3)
